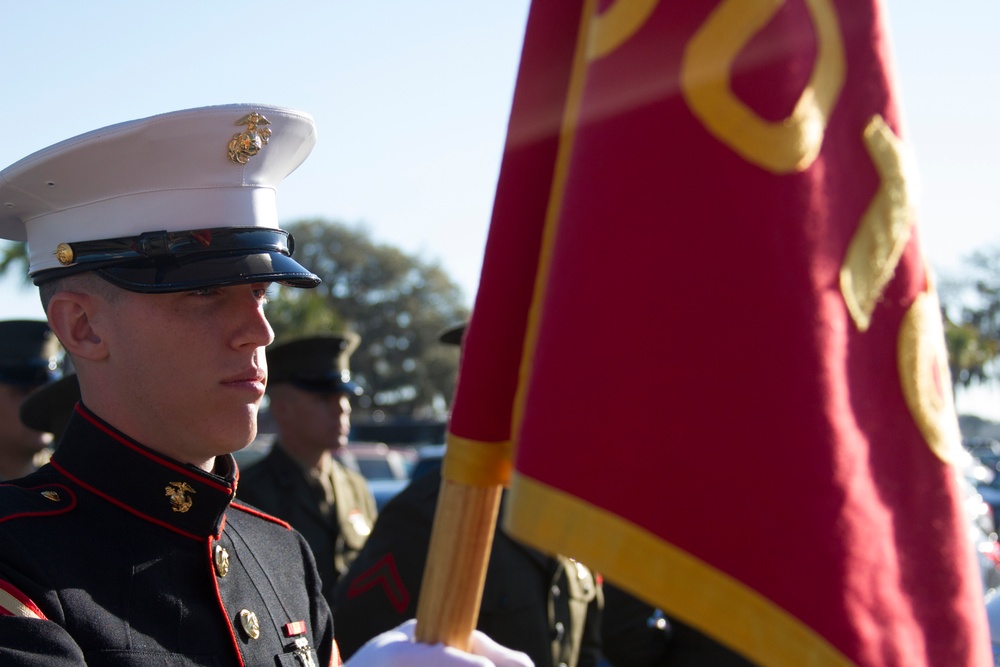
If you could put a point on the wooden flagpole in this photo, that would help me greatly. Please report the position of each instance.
(459, 552)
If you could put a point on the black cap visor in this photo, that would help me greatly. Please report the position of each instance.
(158, 262)
(334, 382)
(165, 275)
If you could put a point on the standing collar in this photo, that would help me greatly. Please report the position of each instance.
(177, 496)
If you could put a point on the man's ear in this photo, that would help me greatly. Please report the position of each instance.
(70, 317)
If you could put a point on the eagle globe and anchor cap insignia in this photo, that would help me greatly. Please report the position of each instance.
(244, 145)
(178, 492)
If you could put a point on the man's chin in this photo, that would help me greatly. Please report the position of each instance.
(244, 431)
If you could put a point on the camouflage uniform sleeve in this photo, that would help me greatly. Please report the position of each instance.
(590, 642)
(381, 587)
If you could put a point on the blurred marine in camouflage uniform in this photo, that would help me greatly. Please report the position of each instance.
(547, 607)
(310, 386)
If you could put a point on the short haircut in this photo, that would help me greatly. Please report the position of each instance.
(87, 282)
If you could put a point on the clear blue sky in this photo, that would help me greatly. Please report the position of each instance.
(412, 98)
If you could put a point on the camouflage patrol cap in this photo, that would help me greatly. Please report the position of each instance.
(170, 203)
(49, 407)
(29, 353)
(318, 363)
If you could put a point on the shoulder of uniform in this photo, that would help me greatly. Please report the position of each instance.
(417, 502)
(253, 511)
(425, 488)
(256, 469)
(26, 499)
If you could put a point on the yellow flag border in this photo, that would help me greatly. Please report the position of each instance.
(664, 575)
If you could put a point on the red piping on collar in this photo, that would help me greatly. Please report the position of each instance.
(258, 513)
(149, 455)
(122, 505)
(222, 527)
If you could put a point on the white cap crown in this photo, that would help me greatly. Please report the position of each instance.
(211, 168)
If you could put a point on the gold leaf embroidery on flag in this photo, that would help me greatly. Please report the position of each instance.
(784, 146)
(616, 24)
(878, 243)
(924, 376)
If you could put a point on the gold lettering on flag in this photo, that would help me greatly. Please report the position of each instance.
(924, 376)
(878, 243)
(784, 146)
(616, 24)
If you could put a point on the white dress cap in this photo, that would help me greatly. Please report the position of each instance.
(167, 203)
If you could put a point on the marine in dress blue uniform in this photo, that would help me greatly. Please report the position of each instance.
(152, 243)
(115, 553)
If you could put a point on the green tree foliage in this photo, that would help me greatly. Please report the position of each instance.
(396, 302)
(969, 353)
(971, 311)
(14, 257)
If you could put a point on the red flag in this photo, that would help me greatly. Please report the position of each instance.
(706, 329)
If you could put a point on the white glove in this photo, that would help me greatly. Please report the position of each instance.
(396, 648)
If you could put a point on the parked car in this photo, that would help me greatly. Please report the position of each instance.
(993, 618)
(377, 460)
(986, 450)
(982, 528)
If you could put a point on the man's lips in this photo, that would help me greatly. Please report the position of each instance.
(248, 377)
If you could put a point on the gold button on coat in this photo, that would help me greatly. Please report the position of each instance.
(221, 560)
(250, 624)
